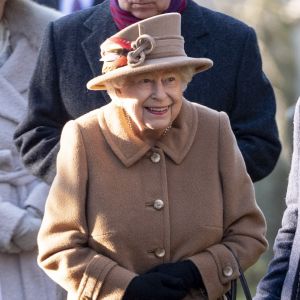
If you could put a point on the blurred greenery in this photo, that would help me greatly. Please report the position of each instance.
(277, 24)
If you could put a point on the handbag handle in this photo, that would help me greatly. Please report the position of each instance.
(232, 294)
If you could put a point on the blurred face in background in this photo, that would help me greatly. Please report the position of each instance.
(143, 9)
(2, 4)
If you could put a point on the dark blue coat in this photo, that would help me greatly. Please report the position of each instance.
(69, 58)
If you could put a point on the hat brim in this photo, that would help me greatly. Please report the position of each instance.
(200, 65)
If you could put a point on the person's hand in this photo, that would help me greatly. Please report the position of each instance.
(155, 286)
(10, 248)
(25, 236)
(184, 270)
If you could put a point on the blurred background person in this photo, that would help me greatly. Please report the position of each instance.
(282, 278)
(69, 6)
(22, 196)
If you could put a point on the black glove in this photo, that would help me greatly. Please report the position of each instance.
(155, 286)
(184, 270)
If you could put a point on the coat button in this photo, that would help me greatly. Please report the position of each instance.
(227, 271)
(155, 157)
(160, 252)
(158, 204)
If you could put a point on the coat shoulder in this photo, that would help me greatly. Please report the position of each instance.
(221, 25)
(29, 18)
(209, 114)
(89, 119)
(75, 19)
(211, 121)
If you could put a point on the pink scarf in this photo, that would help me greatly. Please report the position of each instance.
(124, 18)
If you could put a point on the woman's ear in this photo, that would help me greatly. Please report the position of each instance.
(115, 95)
(118, 92)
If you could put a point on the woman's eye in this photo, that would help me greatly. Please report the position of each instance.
(146, 80)
(170, 79)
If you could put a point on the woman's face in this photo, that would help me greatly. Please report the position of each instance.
(152, 101)
(143, 9)
(2, 4)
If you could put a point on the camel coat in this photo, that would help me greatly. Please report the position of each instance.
(118, 207)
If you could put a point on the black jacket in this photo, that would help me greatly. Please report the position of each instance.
(69, 58)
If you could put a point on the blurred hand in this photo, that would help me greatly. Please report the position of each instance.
(184, 270)
(25, 236)
(10, 248)
(155, 286)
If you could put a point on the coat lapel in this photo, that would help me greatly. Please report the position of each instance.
(20, 65)
(15, 75)
(101, 26)
(195, 29)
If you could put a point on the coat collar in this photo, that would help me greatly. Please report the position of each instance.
(129, 148)
(101, 26)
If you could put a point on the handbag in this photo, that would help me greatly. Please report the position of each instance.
(231, 295)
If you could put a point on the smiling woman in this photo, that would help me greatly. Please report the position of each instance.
(144, 204)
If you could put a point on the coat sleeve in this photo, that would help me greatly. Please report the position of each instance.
(244, 226)
(10, 218)
(37, 137)
(270, 287)
(37, 198)
(253, 111)
(63, 241)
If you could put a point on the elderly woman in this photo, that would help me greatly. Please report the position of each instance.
(22, 196)
(151, 191)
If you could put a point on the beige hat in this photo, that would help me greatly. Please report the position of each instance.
(149, 45)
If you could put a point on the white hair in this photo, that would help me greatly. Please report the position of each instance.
(186, 74)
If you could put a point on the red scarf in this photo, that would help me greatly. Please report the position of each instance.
(124, 18)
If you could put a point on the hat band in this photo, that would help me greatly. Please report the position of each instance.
(151, 48)
(168, 46)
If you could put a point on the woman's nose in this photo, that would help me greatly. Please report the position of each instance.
(159, 91)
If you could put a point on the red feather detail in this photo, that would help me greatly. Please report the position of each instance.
(121, 61)
(122, 42)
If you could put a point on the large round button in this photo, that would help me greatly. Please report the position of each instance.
(158, 204)
(227, 271)
(160, 252)
(155, 157)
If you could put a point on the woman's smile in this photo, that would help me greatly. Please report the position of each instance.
(159, 111)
